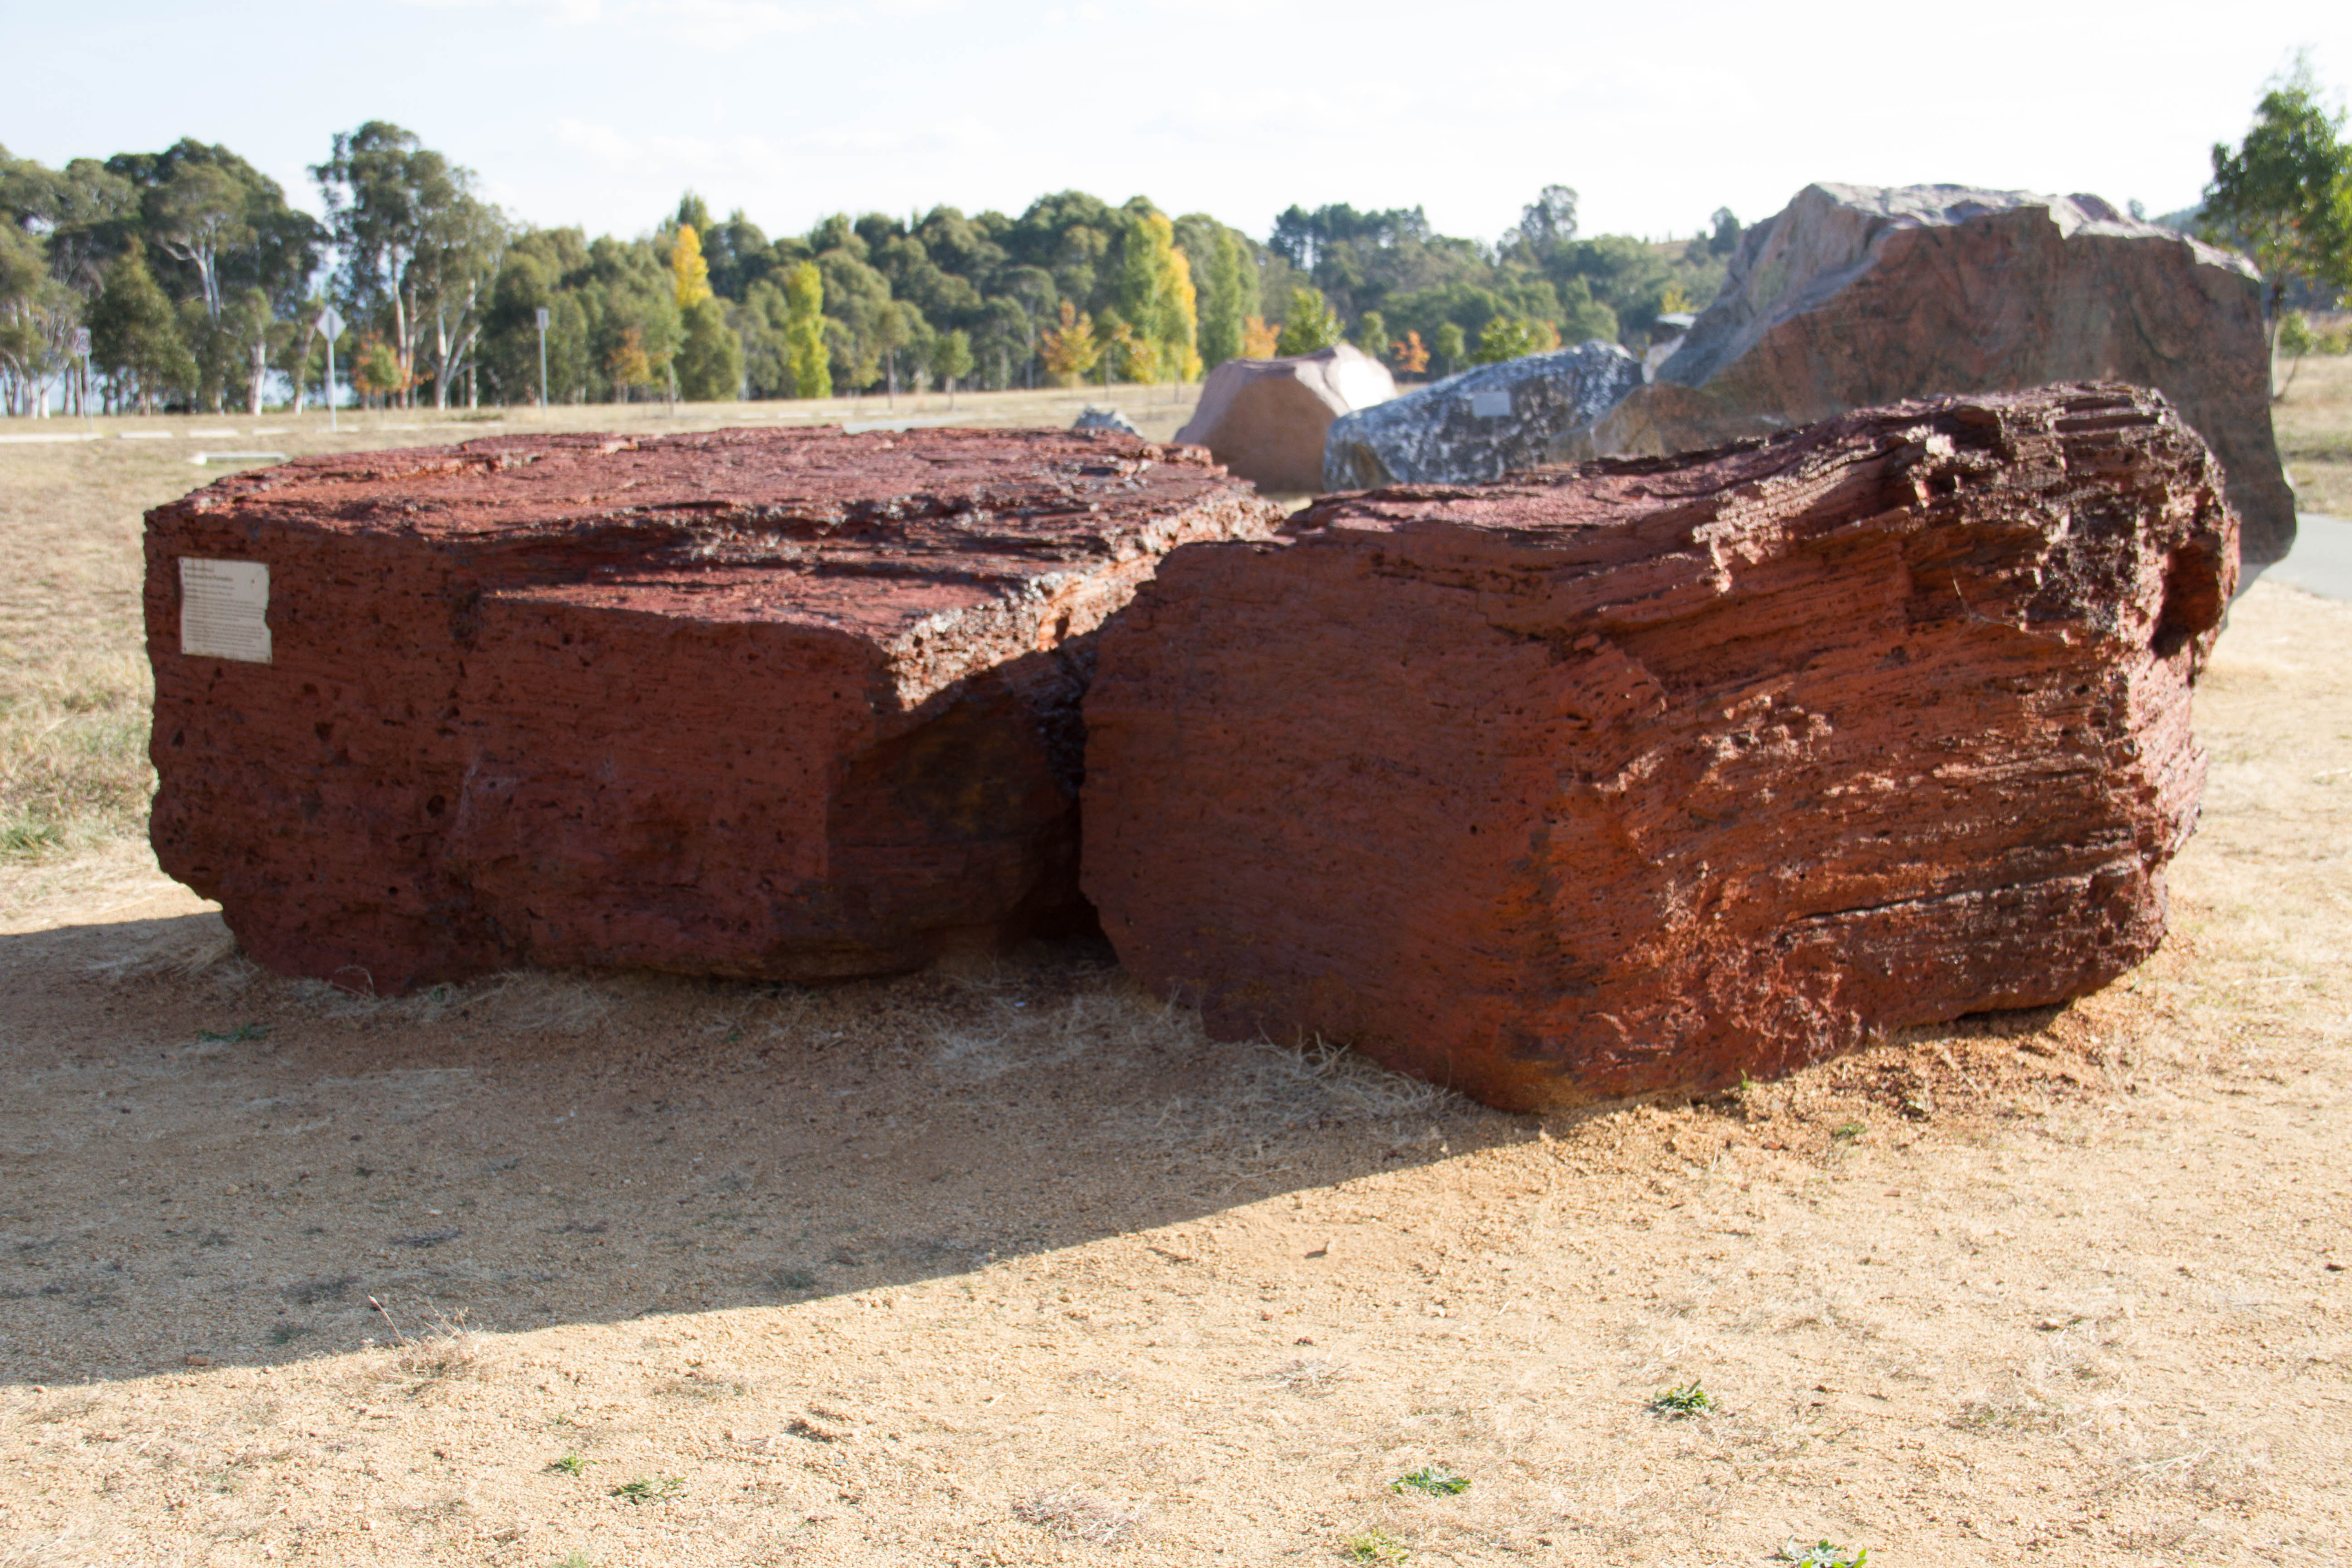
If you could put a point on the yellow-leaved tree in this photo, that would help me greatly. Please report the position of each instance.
(629, 365)
(1157, 300)
(1259, 340)
(687, 269)
(1133, 357)
(1069, 351)
(804, 333)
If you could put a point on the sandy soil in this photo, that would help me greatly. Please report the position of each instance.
(1013, 1267)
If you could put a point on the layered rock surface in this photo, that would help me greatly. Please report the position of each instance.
(1856, 295)
(1484, 423)
(791, 704)
(1642, 774)
(1265, 418)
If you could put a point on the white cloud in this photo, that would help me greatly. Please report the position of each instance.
(720, 24)
(572, 13)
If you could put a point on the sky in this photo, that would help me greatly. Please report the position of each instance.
(600, 112)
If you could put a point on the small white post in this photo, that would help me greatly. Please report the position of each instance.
(331, 322)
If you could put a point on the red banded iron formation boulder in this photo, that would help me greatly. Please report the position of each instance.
(789, 704)
(1639, 775)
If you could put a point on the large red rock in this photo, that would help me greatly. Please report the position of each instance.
(1855, 296)
(789, 704)
(1643, 774)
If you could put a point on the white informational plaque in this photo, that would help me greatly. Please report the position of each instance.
(224, 609)
(1490, 404)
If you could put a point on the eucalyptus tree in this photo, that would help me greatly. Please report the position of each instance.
(214, 225)
(418, 250)
(84, 213)
(2284, 196)
(193, 216)
(1550, 218)
(135, 335)
(29, 298)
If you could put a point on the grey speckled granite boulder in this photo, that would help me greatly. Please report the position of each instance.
(1484, 423)
(1105, 419)
(1857, 296)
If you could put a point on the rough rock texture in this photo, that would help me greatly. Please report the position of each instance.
(1640, 775)
(1265, 418)
(792, 704)
(1484, 423)
(1093, 418)
(1857, 295)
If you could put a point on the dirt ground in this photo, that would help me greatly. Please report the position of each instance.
(1014, 1267)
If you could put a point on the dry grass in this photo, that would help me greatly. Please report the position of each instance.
(74, 685)
(1016, 1267)
(74, 688)
(2314, 426)
(73, 752)
(1074, 1514)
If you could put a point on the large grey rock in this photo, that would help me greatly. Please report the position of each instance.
(1856, 296)
(1094, 418)
(1484, 423)
(1264, 419)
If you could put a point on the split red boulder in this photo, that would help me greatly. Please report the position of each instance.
(783, 704)
(1640, 776)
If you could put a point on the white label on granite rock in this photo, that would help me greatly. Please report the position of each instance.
(1490, 404)
(224, 609)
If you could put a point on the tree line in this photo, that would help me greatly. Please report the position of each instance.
(184, 280)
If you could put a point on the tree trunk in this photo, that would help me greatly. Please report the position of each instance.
(2277, 319)
(405, 351)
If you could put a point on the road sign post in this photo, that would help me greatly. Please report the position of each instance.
(542, 359)
(331, 324)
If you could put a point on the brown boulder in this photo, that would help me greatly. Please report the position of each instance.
(1640, 776)
(1855, 296)
(789, 704)
(1265, 418)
